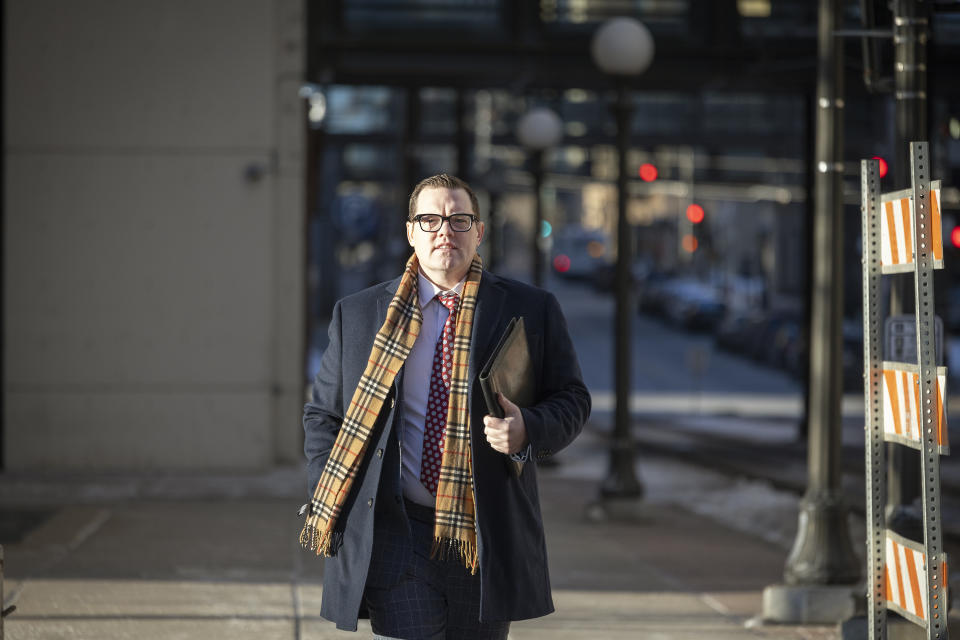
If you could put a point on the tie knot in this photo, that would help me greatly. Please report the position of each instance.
(449, 299)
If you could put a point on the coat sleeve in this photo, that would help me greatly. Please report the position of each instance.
(323, 414)
(564, 404)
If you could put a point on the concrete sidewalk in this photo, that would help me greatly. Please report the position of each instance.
(216, 557)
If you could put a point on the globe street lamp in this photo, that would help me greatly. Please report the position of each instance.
(538, 130)
(622, 48)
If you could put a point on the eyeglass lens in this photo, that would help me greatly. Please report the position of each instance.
(458, 222)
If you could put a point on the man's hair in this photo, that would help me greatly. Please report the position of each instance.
(442, 181)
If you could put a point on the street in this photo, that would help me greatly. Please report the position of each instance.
(665, 360)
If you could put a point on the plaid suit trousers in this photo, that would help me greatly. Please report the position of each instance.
(433, 599)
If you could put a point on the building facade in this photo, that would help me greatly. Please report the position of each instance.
(153, 234)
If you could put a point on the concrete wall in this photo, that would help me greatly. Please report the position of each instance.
(153, 240)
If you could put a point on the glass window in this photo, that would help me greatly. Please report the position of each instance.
(361, 109)
(367, 15)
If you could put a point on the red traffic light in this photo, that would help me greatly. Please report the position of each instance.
(883, 165)
(955, 237)
(695, 213)
(647, 172)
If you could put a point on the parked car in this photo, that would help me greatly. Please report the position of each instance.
(779, 339)
(768, 334)
(692, 304)
(578, 253)
(650, 294)
(604, 275)
(736, 330)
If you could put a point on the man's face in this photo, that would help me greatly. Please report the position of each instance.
(445, 255)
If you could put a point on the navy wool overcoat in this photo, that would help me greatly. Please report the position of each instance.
(512, 552)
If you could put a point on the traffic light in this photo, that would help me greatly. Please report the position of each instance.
(951, 230)
(689, 242)
(695, 213)
(951, 245)
(884, 167)
(647, 172)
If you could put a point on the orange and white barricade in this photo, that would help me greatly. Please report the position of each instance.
(905, 580)
(897, 233)
(904, 402)
(901, 406)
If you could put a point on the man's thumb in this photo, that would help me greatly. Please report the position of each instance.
(508, 407)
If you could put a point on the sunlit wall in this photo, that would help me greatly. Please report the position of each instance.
(153, 234)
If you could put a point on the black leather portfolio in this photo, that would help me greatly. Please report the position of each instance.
(510, 372)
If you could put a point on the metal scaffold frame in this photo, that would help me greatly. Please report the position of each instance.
(904, 402)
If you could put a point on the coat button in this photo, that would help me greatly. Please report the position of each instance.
(379, 453)
(370, 502)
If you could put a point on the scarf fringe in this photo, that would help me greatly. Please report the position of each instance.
(323, 543)
(446, 548)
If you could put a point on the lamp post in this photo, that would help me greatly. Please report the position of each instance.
(538, 130)
(822, 569)
(911, 33)
(823, 553)
(622, 48)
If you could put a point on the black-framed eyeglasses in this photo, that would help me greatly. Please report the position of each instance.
(431, 222)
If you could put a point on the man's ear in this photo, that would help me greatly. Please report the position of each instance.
(480, 230)
(410, 232)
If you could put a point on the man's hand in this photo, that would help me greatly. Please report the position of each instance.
(508, 434)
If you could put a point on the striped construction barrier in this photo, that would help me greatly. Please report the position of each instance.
(901, 406)
(905, 576)
(903, 401)
(897, 232)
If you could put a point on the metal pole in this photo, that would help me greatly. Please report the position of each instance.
(910, 33)
(874, 449)
(493, 233)
(811, 113)
(822, 553)
(536, 252)
(910, 121)
(924, 305)
(910, 103)
(621, 480)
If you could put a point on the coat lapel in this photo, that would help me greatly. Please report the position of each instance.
(486, 321)
(383, 300)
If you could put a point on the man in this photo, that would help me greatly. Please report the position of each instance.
(416, 502)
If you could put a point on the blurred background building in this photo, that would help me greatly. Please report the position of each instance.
(189, 187)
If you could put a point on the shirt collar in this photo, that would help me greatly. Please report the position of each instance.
(427, 287)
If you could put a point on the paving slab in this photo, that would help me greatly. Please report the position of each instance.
(71, 598)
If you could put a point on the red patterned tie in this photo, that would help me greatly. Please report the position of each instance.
(436, 422)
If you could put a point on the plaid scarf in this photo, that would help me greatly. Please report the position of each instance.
(454, 526)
